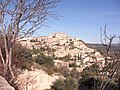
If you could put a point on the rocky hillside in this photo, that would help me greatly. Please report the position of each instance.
(60, 45)
(66, 52)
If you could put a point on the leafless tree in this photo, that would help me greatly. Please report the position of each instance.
(18, 19)
(112, 59)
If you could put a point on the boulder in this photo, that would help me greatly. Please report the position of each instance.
(4, 85)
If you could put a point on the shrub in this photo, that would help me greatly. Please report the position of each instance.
(67, 84)
(74, 73)
(91, 83)
(91, 71)
(33, 40)
(65, 58)
(35, 51)
(22, 57)
(44, 60)
(72, 65)
(64, 71)
(58, 85)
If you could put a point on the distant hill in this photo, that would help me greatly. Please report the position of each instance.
(94, 45)
(101, 48)
(97, 46)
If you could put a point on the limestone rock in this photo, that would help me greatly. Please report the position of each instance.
(4, 84)
(36, 79)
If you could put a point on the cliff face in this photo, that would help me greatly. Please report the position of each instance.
(35, 80)
(61, 45)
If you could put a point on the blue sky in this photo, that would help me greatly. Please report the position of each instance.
(83, 19)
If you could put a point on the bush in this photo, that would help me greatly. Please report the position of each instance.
(64, 71)
(22, 57)
(74, 73)
(35, 51)
(91, 71)
(44, 60)
(58, 85)
(34, 40)
(72, 65)
(65, 58)
(91, 83)
(67, 84)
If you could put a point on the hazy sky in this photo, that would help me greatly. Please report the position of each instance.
(83, 19)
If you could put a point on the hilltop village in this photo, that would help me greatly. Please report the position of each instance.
(61, 46)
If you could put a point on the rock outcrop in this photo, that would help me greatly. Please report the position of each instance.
(35, 80)
(4, 84)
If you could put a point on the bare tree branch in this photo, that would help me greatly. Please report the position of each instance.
(21, 18)
(109, 71)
